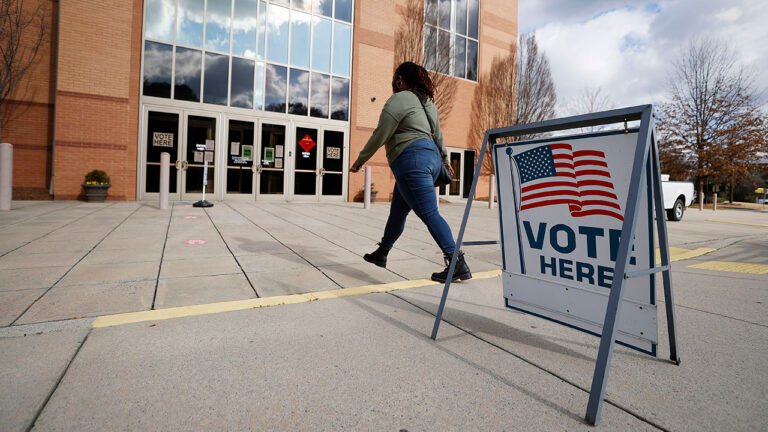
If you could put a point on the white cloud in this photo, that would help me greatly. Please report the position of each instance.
(627, 48)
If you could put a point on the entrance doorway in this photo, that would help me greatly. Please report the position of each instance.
(463, 163)
(318, 156)
(190, 139)
(248, 158)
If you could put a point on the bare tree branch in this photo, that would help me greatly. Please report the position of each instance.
(410, 39)
(712, 125)
(517, 89)
(22, 33)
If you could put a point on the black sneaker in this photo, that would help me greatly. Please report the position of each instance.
(378, 257)
(461, 272)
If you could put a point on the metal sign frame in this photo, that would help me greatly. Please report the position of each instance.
(646, 149)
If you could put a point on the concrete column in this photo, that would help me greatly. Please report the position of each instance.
(367, 190)
(6, 175)
(165, 170)
(714, 201)
(491, 191)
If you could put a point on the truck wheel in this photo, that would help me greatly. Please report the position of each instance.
(676, 212)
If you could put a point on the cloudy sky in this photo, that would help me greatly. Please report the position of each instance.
(625, 48)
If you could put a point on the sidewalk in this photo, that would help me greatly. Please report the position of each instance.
(360, 362)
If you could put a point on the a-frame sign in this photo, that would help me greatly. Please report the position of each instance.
(577, 231)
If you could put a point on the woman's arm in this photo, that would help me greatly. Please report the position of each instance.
(383, 132)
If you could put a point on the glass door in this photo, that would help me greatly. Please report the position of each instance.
(199, 146)
(305, 163)
(163, 130)
(240, 150)
(332, 173)
(272, 162)
(460, 162)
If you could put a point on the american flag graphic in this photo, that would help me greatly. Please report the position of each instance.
(554, 174)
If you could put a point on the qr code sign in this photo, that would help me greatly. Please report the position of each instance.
(333, 153)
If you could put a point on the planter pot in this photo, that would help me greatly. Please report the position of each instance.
(373, 195)
(96, 193)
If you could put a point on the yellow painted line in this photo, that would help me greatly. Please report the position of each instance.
(738, 223)
(679, 254)
(735, 267)
(230, 306)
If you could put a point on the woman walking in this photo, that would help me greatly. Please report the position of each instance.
(406, 128)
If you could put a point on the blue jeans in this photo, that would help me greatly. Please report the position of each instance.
(416, 170)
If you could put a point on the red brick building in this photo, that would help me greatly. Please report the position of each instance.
(239, 83)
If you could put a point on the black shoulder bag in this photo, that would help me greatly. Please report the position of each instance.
(445, 177)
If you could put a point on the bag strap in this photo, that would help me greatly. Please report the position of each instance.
(431, 125)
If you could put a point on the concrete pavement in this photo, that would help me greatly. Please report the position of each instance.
(361, 362)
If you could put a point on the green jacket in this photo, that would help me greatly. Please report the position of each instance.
(403, 121)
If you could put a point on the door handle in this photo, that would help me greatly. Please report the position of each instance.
(184, 165)
(177, 164)
(322, 172)
(257, 169)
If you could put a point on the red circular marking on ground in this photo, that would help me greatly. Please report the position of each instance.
(195, 242)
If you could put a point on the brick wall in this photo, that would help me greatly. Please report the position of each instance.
(27, 114)
(97, 99)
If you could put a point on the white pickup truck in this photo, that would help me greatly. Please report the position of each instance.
(677, 196)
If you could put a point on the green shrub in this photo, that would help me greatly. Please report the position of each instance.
(96, 177)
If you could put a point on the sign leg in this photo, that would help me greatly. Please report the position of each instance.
(459, 240)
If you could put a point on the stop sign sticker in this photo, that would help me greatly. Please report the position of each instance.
(307, 143)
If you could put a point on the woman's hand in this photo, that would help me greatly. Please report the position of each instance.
(355, 168)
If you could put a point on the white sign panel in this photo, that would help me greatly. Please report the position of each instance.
(162, 139)
(561, 207)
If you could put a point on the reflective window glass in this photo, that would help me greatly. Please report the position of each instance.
(244, 28)
(158, 59)
(343, 10)
(340, 99)
(321, 45)
(159, 20)
(305, 5)
(300, 39)
(262, 26)
(298, 92)
(472, 18)
(459, 57)
(342, 43)
(259, 95)
(190, 23)
(241, 94)
(186, 85)
(471, 60)
(277, 34)
(460, 18)
(217, 21)
(322, 7)
(318, 101)
(216, 79)
(430, 48)
(443, 52)
(431, 12)
(275, 88)
(282, 2)
(444, 14)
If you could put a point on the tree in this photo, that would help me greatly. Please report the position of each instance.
(712, 124)
(409, 46)
(589, 100)
(517, 89)
(22, 33)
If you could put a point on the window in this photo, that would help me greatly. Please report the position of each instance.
(451, 37)
(288, 56)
